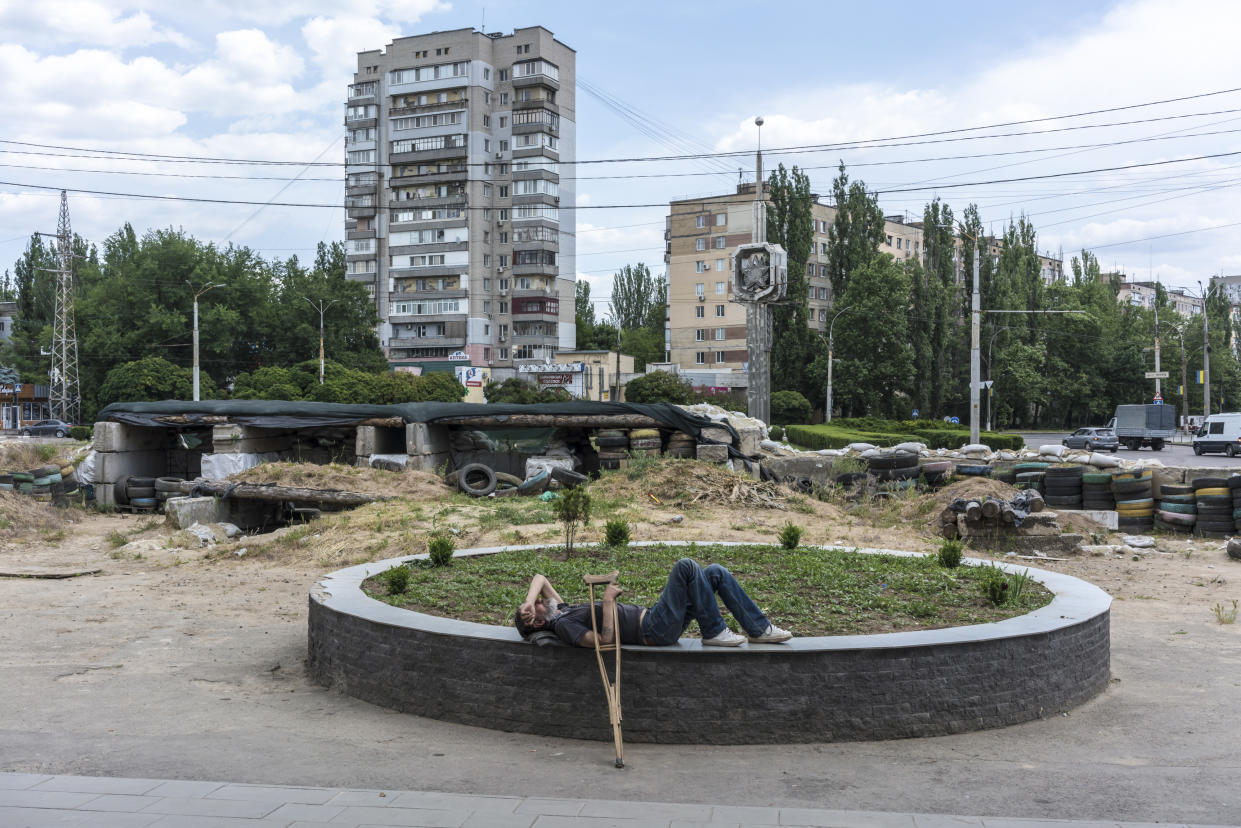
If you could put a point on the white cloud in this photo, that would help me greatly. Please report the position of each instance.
(335, 42)
(282, 11)
(85, 22)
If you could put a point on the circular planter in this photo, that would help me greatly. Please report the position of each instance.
(814, 689)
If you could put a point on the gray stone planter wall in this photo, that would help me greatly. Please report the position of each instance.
(840, 688)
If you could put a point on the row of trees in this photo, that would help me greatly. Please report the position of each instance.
(134, 321)
(902, 329)
(636, 318)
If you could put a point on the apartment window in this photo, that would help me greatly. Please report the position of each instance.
(535, 67)
(700, 221)
(503, 77)
(486, 120)
(700, 335)
(503, 238)
(503, 96)
(700, 266)
(486, 145)
(700, 244)
(699, 312)
(503, 121)
(700, 357)
(721, 219)
(700, 289)
(719, 310)
(486, 283)
(719, 288)
(823, 248)
(719, 334)
(504, 309)
(889, 241)
(358, 113)
(502, 215)
(504, 260)
(486, 305)
(504, 146)
(486, 73)
(719, 265)
(486, 189)
(361, 90)
(504, 284)
(822, 314)
(898, 244)
(823, 271)
(424, 144)
(503, 191)
(823, 293)
(719, 357)
(916, 245)
(719, 242)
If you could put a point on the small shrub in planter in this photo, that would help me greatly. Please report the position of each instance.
(573, 510)
(440, 549)
(616, 533)
(397, 578)
(949, 555)
(790, 535)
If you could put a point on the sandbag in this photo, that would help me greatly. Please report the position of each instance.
(975, 448)
(911, 447)
(1051, 450)
(1103, 461)
(860, 446)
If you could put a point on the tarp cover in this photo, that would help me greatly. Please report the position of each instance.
(285, 414)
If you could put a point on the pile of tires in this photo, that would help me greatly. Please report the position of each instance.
(1005, 473)
(1097, 491)
(136, 492)
(682, 445)
(1234, 486)
(1178, 509)
(894, 465)
(1213, 499)
(937, 472)
(973, 470)
(47, 483)
(166, 487)
(1062, 486)
(1030, 475)
(613, 448)
(645, 442)
(1135, 506)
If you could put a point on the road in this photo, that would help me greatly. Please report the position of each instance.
(1172, 455)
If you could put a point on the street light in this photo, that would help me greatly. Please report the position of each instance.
(321, 308)
(205, 288)
(827, 410)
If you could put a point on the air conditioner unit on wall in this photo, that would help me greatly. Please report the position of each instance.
(500, 269)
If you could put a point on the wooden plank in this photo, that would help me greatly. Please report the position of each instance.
(279, 494)
(553, 421)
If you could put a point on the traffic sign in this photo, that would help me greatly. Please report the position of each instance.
(1156, 374)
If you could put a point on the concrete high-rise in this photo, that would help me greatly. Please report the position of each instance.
(457, 219)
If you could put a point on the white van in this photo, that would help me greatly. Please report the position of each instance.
(1219, 432)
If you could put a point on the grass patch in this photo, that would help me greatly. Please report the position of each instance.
(810, 590)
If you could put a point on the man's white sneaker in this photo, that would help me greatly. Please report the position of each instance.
(771, 635)
(727, 638)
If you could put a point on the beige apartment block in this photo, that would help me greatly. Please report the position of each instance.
(454, 149)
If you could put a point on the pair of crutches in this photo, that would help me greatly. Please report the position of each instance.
(611, 687)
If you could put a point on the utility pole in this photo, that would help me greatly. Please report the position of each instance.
(827, 410)
(319, 307)
(1158, 388)
(975, 333)
(206, 288)
(758, 314)
(1206, 358)
(64, 399)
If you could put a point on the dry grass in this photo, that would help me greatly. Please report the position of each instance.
(414, 485)
(21, 515)
(684, 483)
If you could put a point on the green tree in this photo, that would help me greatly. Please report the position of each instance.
(634, 293)
(935, 323)
(790, 225)
(660, 386)
(151, 379)
(857, 231)
(583, 308)
(517, 390)
(789, 408)
(872, 340)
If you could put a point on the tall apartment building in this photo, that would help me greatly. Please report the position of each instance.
(456, 218)
(706, 328)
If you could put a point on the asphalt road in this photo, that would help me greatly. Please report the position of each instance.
(1172, 455)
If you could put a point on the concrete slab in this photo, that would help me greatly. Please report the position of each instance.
(184, 512)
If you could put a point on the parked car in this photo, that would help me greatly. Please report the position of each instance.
(46, 428)
(1093, 439)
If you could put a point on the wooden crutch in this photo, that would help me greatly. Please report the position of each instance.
(611, 689)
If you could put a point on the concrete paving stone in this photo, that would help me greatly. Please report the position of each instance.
(450, 801)
(414, 817)
(292, 811)
(551, 807)
(184, 821)
(274, 793)
(120, 802)
(745, 813)
(1017, 822)
(496, 819)
(646, 810)
(184, 788)
(852, 819)
(375, 799)
(13, 817)
(195, 806)
(944, 821)
(676, 823)
(17, 781)
(44, 799)
(98, 785)
(113, 819)
(545, 821)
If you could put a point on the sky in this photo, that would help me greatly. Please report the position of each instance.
(265, 80)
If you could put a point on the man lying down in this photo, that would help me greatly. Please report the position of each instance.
(689, 595)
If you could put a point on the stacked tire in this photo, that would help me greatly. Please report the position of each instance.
(1006, 473)
(973, 470)
(166, 487)
(1234, 486)
(937, 472)
(613, 448)
(6, 482)
(1062, 486)
(1214, 501)
(1097, 492)
(682, 445)
(46, 483)
(1135, 505)
(888, 466)
(645, 442)
(1030, 475)
(135, 492)
(1178, 509)
(23, 483)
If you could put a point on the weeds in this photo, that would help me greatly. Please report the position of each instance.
(641, 465)
(949, 554)
(117, 539)
(440, 549)
(1225, 615)
(790, 535)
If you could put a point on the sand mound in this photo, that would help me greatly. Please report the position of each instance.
(684, 482)
(22, 515)
(415, 485)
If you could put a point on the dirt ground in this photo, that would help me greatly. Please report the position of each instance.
(178, 661)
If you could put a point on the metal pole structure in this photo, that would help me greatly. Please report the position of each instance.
(827, 410)
(758, 314)
(990, 376)
(206, 288)
(63, 396)
(322, 308)
(1158, 387)
(1206, 358)
(975, 371)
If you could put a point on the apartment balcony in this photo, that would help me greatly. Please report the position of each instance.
(535, 270)
(540, 103)
(522, 129)
(360, 234)
(450, 177)
(359, 123)
(531, 152)
(428, 109)
(535, 80)
(360, 212)
(427, 342)
(365, 278)
(533, 292)
(536, 316)
(428, 272)
(415, 156)
(429, 248)
(427, 295)
(534, 175)
(553, 246)
(457, 200)
(535, 339)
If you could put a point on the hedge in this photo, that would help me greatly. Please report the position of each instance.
(840, 433)
(81, 432)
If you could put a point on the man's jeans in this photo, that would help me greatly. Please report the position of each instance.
(689, 595)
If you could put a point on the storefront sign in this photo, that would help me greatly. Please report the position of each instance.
(472, 376)
(459, 356)
(552, 368)
(555, 379)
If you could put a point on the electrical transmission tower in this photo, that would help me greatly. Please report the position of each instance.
(64, 397)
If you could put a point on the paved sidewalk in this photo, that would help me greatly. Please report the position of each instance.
(35, 800)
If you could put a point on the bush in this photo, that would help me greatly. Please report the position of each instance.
(659, 386)
(616, 533)
(398, 579)
(949, 555)
(775, 432)
(790, 535)
(82, 432)
(440, 549)
(789, 407)
(994, 584)
(840, 433)
(517, 390)
(573, 510)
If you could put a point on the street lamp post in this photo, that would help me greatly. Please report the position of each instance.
(975, 370)
(990, 375)
(827, 410)
(1206, 358)
(322, 308)
(205, 288)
